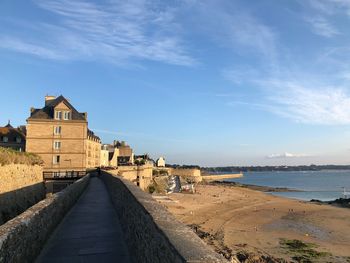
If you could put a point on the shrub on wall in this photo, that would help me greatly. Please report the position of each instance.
(10, 156)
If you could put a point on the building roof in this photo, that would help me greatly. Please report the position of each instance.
(11, 132)
(47, 112)
(92, 135)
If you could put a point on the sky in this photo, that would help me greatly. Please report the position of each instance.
(207, 82)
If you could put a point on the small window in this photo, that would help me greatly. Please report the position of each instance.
(58, 115)
(18, 139)
(66, 115)
(56, 159)
(57, 145)
(5, 139)
(58, 130)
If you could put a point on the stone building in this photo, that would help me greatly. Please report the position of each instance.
(59, 134)
(11, 137)
(160, 162)
(119, 154)
(93, 150)
(104, 156)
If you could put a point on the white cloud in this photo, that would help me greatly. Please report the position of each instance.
(18, 45)
(234, 27)
(327, 106)
(118, 32)
(330, 7)
(322, 27)
(286, 155)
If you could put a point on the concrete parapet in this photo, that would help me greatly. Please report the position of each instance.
(151, 232)
(21, 186)
(22, 238)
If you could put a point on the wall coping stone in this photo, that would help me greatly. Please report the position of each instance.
(23, 237)
(187, 244)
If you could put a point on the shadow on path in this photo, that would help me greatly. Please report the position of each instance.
(90, 232)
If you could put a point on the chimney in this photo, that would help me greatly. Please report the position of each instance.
(49, 99)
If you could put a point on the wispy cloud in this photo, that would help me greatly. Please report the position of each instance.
(235, 28)
(18, 45)
(330, 7)
(117, 32)
(286, 155)
(327, 106)
(301, 99)
(322, 27)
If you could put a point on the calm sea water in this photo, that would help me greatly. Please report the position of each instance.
(321, 185)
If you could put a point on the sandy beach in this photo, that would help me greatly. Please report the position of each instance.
(242, 222)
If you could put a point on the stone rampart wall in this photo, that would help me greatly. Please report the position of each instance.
(193, 174)
(151, 232)
(21, 186)
(22, 238)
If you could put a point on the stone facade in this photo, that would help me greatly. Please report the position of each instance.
(23, 237)
(93, 150)
(104, 158)
(139, 175)
(152, 234)
(192, 174)
(21, 186)
(59, 134)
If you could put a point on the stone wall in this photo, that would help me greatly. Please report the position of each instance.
(139, 175)
(151, 232)
(21, 186)
(193, 174)
(22, 238)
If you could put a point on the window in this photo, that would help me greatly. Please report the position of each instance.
(58, 115)
(58, 130)
(5, 139)
(57, 145)
(18, 139)
(56, 159)
(66, 115)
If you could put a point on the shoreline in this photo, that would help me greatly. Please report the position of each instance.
(255, 187)
(239, 223)
(338, 202)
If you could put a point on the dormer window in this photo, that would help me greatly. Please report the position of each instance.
(67, 115)
(58, 115)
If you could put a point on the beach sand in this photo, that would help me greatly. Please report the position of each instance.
(249, 221)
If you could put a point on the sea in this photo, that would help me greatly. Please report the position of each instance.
(323, 185)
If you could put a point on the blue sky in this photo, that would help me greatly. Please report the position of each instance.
(200, 82)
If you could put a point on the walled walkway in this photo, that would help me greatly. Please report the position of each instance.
(90, 232)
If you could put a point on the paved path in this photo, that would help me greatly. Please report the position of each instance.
(90, 232)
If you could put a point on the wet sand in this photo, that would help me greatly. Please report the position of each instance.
(240, 219)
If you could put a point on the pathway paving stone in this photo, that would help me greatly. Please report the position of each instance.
(90, 232)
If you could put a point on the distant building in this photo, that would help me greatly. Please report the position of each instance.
(104, 156)
(126, 155)
(120, 154)
(60, 135)
(93, 150)
(160, 162)
(11, 137)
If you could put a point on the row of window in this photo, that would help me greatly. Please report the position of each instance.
(6, 139)
(65, 115)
